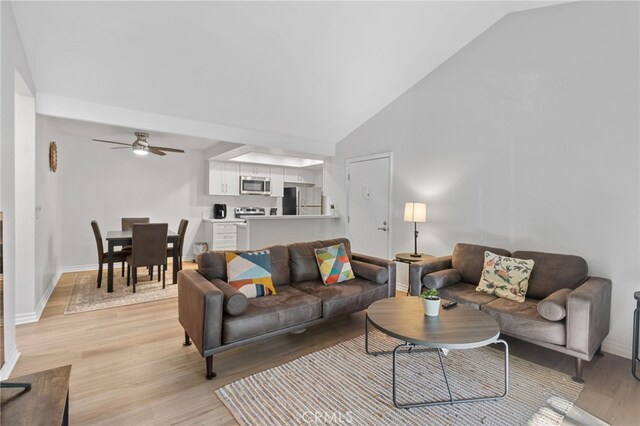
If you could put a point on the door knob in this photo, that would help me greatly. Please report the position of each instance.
(384, 228)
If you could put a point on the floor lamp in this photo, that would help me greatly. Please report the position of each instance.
(415, 212)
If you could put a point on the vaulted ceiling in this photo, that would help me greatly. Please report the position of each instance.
(307, 72)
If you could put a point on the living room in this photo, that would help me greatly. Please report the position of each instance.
(518, 129)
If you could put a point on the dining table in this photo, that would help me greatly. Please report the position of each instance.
(125, 238)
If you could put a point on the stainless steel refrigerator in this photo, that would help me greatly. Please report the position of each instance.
(302, 200)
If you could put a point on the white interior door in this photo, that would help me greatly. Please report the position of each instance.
(368, 183)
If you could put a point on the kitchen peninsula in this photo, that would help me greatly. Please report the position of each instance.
(263, 231)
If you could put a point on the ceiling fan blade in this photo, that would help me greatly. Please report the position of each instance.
(166, 149)
(156, 151)
(117, 143)
(122, 147)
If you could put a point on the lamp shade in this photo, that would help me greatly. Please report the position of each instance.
(415, 212)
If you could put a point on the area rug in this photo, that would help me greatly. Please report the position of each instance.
(85, 295)
(342, 384)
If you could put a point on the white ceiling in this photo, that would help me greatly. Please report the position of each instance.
(308, 70)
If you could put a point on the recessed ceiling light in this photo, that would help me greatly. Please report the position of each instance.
(275, 160)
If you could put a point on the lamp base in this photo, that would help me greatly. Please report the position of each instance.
(416, 255)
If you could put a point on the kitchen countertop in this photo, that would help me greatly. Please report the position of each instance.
(294, 217)
(225, 220)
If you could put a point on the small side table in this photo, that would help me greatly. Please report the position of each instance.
(635, 359)
(408, 259)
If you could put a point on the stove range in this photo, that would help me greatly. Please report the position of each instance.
(249, 211)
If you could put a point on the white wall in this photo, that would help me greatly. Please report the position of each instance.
(525, 139)
(99, 183)
(12, 59)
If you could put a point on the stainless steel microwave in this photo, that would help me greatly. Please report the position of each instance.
(255, 185)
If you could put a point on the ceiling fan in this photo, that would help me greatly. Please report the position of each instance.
(141, 146)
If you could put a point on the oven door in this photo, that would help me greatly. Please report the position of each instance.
(253, 185)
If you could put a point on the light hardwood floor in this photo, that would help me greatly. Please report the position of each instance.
(129, 365)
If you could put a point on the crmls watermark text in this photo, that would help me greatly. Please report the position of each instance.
(327, 417)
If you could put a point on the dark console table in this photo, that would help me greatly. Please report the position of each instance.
(45, 403)
(635, 357)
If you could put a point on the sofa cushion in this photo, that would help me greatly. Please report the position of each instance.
(280, 272)
(468, 259)
(523, 320)
(369, 271)
(506, 277)
(250, 273)
(553, 272)
(466, 293)
(302, 258)
(234, 302)
(213, 265)
(440, 279)
(554, 306)
(265, 314)
(334, 264)
(351, 296)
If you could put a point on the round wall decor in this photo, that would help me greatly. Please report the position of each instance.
(53, 156)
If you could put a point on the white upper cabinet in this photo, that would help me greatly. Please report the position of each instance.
(292, 175)
(224, 178)
(254, 170)
(277, 181)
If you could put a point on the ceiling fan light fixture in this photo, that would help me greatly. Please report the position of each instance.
(140, 150)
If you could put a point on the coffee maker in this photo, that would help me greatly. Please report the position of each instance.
(219, 211)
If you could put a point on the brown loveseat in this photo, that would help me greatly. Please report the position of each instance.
(561, 281)
(217, 317)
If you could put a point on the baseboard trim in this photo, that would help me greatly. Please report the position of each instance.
(30, 317)
(401, 287)
(79, 268)
(617, 349)
(9, 364)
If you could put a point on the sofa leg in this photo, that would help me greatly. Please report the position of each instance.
(187, 340)
(579, 366)
(599, 351)
(210, 373)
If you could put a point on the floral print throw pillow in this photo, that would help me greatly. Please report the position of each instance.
(506, 277)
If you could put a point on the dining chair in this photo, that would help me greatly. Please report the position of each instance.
(182, 230)
(118, 256)
(128, 222)
(149, 248)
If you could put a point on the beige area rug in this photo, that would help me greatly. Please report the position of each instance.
(342, 384)
(86, 296)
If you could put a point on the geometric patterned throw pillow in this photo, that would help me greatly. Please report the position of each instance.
(505, 277)
(250, 273)
(334, 264)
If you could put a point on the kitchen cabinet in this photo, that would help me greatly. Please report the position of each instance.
(254, 170)
(224, 178)
(298, 175)
(221, 236)
(276, 175)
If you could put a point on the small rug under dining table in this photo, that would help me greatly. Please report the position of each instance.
(342, 384)
(85, 296)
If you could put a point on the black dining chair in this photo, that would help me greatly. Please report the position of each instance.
(128, 222)
(118, 256)
(149, 248)
(182, 230)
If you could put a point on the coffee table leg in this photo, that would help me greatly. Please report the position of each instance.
(450, 401)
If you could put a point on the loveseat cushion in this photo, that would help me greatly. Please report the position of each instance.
(234, 302)
(440, 279)
(371, 272)
(350, 296)
(265, 314)
(466, 293)
(553, 272)
(302, 258)
(212, 265)
(468, 259)
(554, 306)
(523, 320)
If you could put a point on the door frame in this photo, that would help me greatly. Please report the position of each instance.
(348, 163)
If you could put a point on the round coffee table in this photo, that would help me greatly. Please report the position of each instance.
(460, 327)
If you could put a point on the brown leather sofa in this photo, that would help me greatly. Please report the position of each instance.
(217, 317)
(561, 281)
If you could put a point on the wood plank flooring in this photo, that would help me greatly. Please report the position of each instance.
(129, 365)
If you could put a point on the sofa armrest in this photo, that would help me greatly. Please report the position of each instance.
(588, 312)
(200, 307)
(389, 264)
(418, 270)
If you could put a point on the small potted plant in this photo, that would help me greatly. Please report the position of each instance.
(431, 302)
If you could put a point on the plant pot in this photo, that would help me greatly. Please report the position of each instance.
(431, 307)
